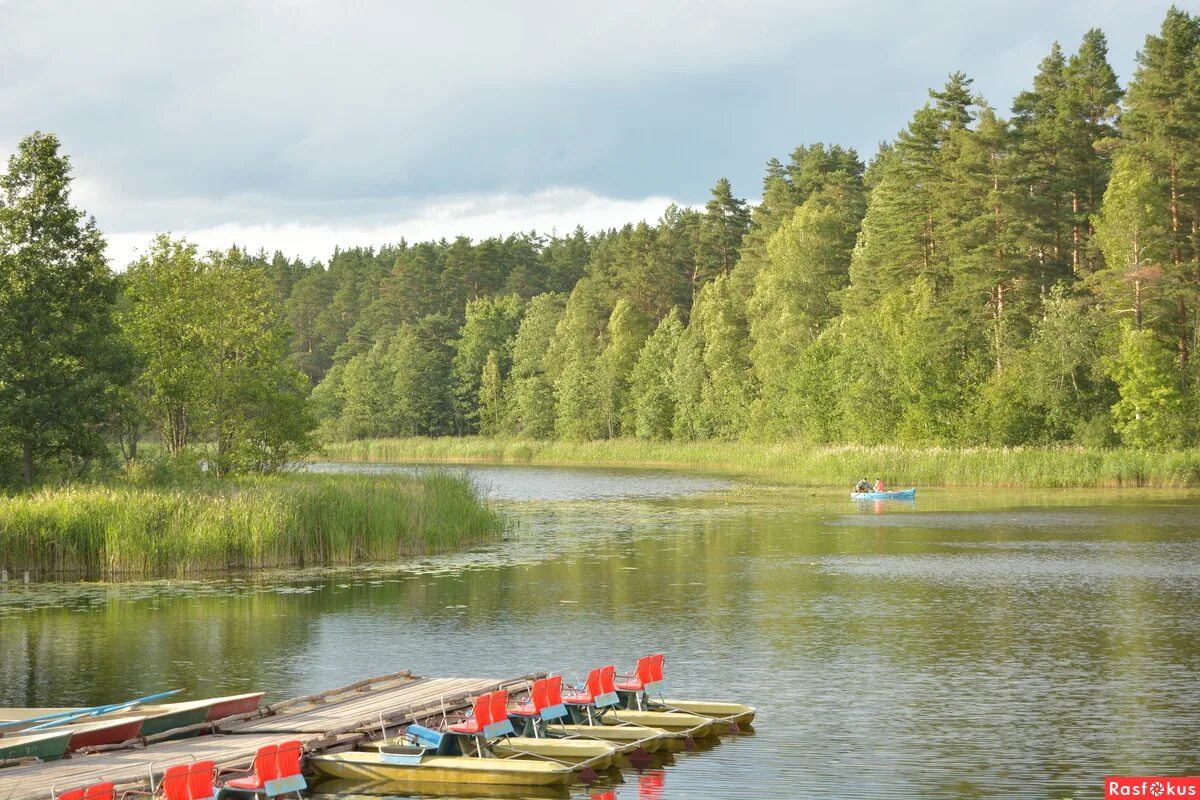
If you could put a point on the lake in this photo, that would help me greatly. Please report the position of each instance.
(970, 644)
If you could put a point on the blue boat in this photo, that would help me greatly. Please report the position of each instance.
(902, 494)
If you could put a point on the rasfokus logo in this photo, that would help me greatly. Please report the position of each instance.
(1151, 786)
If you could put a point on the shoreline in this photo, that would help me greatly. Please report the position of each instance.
(808, 465)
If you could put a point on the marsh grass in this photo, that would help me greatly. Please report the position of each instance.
(814, 465)
(108, 530)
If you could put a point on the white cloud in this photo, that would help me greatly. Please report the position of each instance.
(478, 216)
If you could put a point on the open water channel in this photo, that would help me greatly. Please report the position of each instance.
(973, 644)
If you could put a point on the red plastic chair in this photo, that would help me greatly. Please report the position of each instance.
(71, 794)
(481, 715)
(99, 791)
(266, 768)
(537, 700)
(174, 785)
(288, 759)
(590, 690)
(200, 781)
(647, 677)
(499, 724)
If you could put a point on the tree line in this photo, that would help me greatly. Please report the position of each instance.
(1027, 278)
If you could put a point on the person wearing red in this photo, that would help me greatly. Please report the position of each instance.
(879, 485)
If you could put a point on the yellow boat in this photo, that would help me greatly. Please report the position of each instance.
(725, 712)
(576, 752)
(383, 766)
(680, 722)
(627, 738)
(373, 790)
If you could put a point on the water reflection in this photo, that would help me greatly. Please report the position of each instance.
(981, 645)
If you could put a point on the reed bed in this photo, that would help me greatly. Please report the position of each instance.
(110, 530)
(810, 465)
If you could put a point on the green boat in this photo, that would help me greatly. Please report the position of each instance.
(48, 746)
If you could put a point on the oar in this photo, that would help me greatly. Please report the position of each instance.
(58, 718)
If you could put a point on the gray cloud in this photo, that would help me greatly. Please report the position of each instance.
(280, 115)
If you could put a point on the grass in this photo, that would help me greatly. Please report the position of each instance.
(811, 465)
(110, 530)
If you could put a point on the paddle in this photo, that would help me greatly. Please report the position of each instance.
(62, 717)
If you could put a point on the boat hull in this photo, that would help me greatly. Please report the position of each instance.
(234, 705)
(578, 752)
(725, 712)
(679, 722)
(627, 738)
(95, 734)
(443, 770)
(48, 746)
(901, 494)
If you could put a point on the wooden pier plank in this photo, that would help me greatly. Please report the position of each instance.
(324, 722)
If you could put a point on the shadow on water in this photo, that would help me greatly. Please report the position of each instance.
(976, 645)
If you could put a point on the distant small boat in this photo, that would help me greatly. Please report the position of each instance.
(901, 494)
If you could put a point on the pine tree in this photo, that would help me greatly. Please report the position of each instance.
(726, 220)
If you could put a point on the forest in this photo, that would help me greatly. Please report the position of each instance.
(984, 278)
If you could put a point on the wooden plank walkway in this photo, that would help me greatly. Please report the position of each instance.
(338, 718)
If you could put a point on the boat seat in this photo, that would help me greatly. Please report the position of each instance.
(200, 781)
(599, 690)
(481, 715)
(537, 697)
(174, 785)
(71, 794)
(266, 768)
(498, 724)
(289, 758)
(99, 791)
(647, 676)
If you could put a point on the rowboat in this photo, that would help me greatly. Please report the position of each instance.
(48, 746)
(156, 717)
(415, 764)
(84, 732)
(900, 494)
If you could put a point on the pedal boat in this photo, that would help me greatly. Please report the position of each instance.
(420, 764)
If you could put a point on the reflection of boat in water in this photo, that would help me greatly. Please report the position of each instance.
(899, 494)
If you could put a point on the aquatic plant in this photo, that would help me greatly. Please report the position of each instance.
(249, 522)
(1065, 467)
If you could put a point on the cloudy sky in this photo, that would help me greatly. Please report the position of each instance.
(301, 125)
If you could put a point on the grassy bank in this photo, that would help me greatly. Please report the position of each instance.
(814, 466)
(243, 523)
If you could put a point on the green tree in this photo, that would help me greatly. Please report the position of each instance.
(726, 220)
(531, 385)
(491, 397)
(491, 327)
(628, 328)
(1152, 411)
(58, 355)
(651, 387)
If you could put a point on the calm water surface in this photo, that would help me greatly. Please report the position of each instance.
(977, 644)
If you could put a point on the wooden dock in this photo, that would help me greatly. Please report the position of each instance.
(335, 719)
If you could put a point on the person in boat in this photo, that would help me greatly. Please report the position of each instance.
(862, 486)
(879, 487)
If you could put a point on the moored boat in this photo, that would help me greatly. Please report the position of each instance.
(597, 754)
(234, 705)
(680, 722)
(899, 494)
(416, 764)
(46, 746)
(732, 712)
